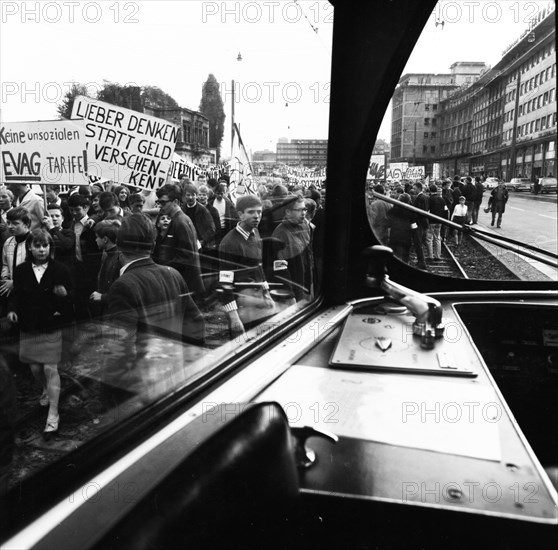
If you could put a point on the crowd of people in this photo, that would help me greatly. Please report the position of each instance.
(148, 263)
(456, 200)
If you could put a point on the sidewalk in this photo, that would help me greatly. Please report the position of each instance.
(525, 268)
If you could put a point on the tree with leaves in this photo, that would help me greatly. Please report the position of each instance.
(131, 97)
(65, 108)
(211, 105)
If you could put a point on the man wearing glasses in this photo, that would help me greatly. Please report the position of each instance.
(293, 261)
(179, 247)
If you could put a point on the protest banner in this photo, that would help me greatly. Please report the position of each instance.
(45, 152)
(240, 170)
(397, 170)
(414, 173)
(126, 146)
(377, 167)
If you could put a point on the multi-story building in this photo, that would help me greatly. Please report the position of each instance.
(309, 153)
(504, 124)
(193, 136)
(415, 106)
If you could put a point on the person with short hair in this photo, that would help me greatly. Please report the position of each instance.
(378, 211)
(420, 201)
(437, 207)
(293, 260)
(88, 255)
(106, 232)
(460, 216)
(6, 204)
(14, 251)
(41, 305)
(240, 259)
(109, 204)
(64, 240)
(200, 216)
(497, 202)
(469, 192)
(228, 214)
(402, 225)
(476, 200)
(26, 198)
(179, 247)
(146, 300)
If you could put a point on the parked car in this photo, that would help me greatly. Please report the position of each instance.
(545, 185)
(519, 184)
(491, 183)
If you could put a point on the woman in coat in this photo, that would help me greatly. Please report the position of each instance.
(41, 305)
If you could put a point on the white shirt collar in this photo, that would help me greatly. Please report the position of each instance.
(126, 266)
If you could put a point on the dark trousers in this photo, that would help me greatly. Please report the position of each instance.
(418, 236)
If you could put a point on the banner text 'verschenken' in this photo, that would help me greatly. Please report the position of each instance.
(126, 146)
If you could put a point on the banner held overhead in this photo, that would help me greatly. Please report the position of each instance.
(46, 152)
(126, 146)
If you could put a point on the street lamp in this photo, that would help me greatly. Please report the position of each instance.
(238, 58)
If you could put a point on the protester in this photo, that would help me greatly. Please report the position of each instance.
(64, 240)
(228, 214)
(41, 304)
(6, 202)
(147, 299)
(26, 198)
(179, 247)
(200, 216)
(106, 233)
(402, 224)
(437, 207)
(88, 255)
(420, 201)
(122, 194)
(293, 262)
(14, 251)
(378, 215)
(240, 255)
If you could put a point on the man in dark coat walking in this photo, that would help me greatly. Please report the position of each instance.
(146, 301)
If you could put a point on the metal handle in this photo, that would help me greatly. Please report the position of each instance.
(427, 311)
(305, 456)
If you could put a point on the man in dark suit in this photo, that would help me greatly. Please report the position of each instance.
(420, 201)
(147, 301)
(180, 245)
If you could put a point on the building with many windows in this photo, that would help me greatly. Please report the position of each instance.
(504, 124)
(193, 136)
(415, 106)
(309, 153)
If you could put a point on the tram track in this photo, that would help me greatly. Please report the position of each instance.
(467, 260)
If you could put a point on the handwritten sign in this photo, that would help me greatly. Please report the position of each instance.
(414, 173)
(397, 170)
(124, 145)
(46, 152)
(377, 167)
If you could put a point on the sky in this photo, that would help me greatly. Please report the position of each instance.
(282, 81)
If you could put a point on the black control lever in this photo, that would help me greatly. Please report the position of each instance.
(427, 311)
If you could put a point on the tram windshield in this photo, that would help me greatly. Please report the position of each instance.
(175, 151)
(470, 138)
(163, 202)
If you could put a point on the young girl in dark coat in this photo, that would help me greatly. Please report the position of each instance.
(41, 304)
